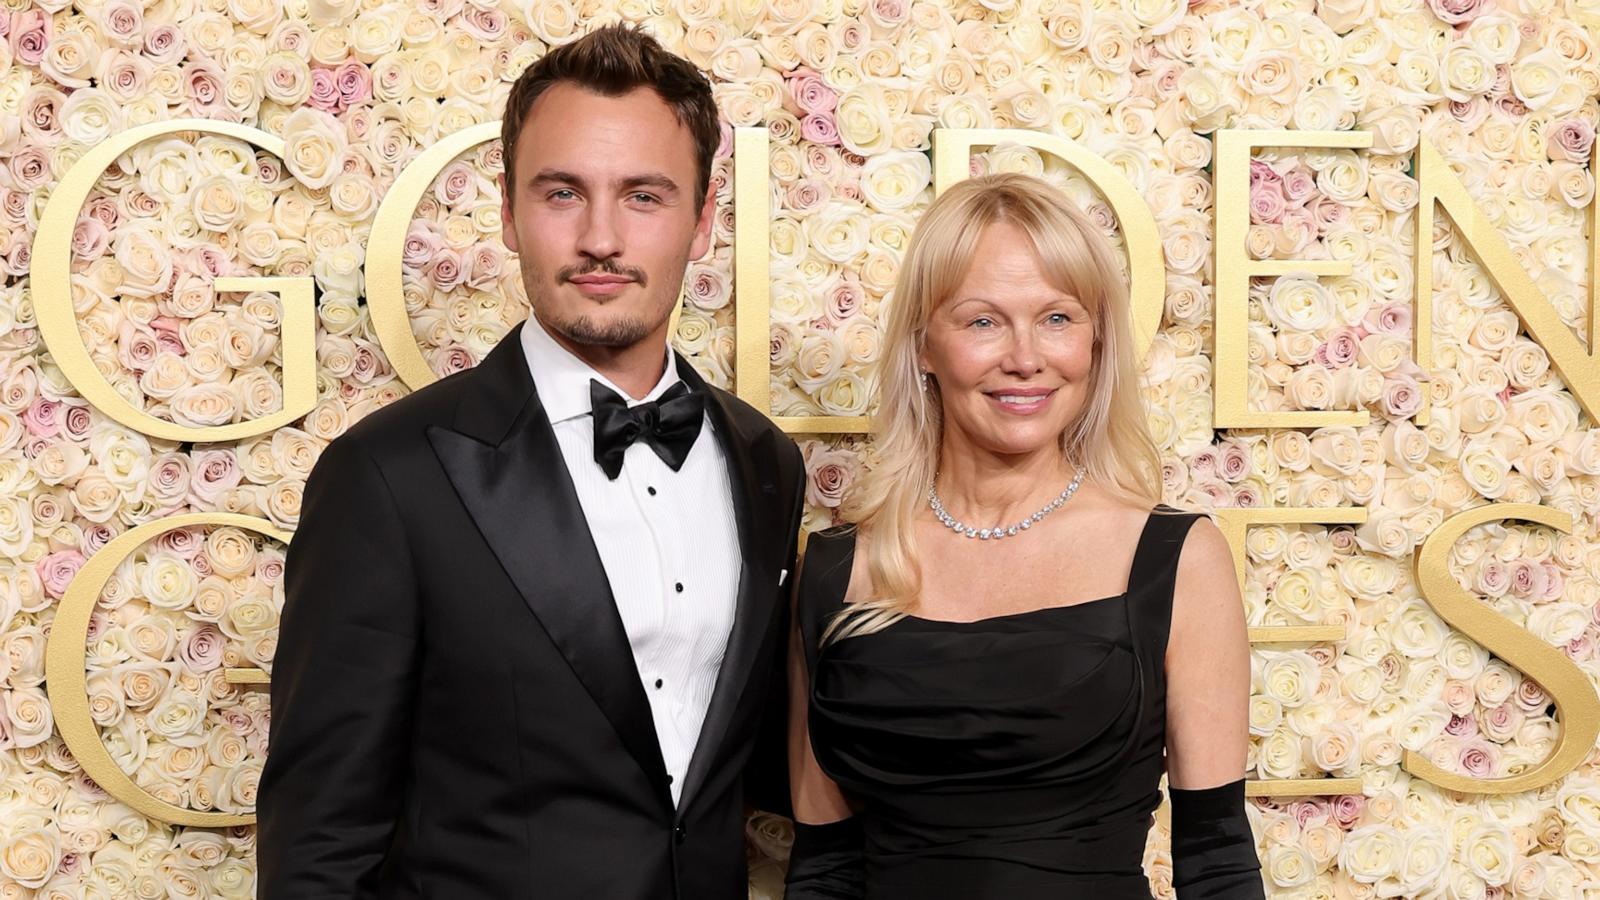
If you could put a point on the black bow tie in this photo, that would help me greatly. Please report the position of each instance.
(669, 425)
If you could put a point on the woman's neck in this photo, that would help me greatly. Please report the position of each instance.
(978, 486)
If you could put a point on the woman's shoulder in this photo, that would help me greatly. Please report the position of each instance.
(826, 565)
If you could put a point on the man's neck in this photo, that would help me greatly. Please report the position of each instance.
(636, 368)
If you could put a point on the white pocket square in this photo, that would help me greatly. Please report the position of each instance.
(782, 577)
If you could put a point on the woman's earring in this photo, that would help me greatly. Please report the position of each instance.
(924, 379)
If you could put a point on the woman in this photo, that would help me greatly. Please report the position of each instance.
(991, 660)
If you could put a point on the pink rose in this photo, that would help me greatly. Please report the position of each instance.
(90, 239)
(1402, 396)
(820, 128)
(41, 115)
(1479, 758)
(1527, 578)
(1267, 202)
(1461, 726)
(484, 264)
(1554, 583)
(888, 14)
(828, 475)
(810, 93)
(169, 477)
(324, 91)
(456, 184)
(43, 417)
(56, 571)
(96, 535)
(1233, 464)
(807, 195)
(1572, 140)
(30, 167)
(706, 288)
(1326, 213)
(30, 35)
(487, 24)
(215, 471)
(18, 257)
(422, 242)
(184, 543)
(164, 44)
(136, 346)
(269, 566)
(122, 21)
(445, 269)
(1203, 464)
(201, 651)
(844, 299)
(13, 208)
(1347, 809)
(202, 84)
(1494, 578)
(1305, 812)
(1580, 649)
(1340, 349)
(1460, 12)
(1392, 319)
(354, 81)
(449, 360)
(1299, 186)
(77, 421)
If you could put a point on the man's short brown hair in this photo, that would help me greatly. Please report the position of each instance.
(614, 60)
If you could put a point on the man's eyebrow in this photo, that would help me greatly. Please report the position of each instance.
(649, 179)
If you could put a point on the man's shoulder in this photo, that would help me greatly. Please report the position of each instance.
(756, 424)
(402, 425)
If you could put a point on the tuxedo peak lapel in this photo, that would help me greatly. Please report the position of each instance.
(502, 458)
(752, 473)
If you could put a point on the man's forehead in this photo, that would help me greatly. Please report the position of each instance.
(604, 137)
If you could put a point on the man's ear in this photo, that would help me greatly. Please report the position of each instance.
(508, 232)
(702, 227)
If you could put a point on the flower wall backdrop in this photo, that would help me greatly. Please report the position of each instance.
(850, 92)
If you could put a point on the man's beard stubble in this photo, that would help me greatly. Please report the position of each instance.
(581, 329)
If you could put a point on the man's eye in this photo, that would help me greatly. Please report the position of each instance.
(645, 198)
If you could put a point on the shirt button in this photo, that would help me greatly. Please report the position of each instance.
(680, 833)
(659, 683)
(678, 587)
(651, 490)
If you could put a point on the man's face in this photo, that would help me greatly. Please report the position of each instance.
(603, 215)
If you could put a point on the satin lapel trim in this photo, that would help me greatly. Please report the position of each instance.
(752, 475)
(521, 497)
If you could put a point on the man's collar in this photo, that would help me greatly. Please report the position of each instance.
(562, 379)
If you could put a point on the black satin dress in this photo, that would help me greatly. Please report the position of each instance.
(1014, 757)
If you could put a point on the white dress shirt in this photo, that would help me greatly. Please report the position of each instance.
(668, 542)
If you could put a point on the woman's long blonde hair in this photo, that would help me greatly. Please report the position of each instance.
(1110, 438)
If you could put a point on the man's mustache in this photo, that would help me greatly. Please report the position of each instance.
(603, 267)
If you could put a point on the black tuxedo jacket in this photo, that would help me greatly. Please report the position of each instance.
(457, 713)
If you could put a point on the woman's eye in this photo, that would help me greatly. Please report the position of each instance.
(982, 322)
(1060, 319)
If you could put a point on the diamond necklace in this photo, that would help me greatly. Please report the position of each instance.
(999, 532)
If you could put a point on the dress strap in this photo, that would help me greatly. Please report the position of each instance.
(1154, 575)
(824, 579)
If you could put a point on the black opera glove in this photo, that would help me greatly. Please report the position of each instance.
(1213, 851)
(827, 862)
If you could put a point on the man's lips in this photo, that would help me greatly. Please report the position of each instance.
(600, 285)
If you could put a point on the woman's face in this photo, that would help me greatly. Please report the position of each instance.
(1011, 354)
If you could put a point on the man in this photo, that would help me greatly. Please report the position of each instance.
(534, 625)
